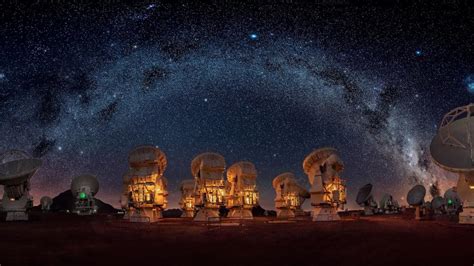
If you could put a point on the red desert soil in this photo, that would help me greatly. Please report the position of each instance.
(60, 239)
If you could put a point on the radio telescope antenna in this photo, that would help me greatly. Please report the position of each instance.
(84, 188)
(452, 201)
(46, 203)
(147, 187)
(365, 199)
(242, 190)
(452, 149)
(328, 190)
(415, 197)
(289, 196)
(438, 205)
(16, 169)
(388, 204)
(208, 169)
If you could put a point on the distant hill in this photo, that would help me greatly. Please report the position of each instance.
(65, 202)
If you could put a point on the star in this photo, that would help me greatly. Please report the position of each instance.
(469, 83)
(418, 52)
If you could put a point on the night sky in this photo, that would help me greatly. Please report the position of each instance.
(82, 84)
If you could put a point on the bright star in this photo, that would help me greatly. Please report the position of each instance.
(205, 100)
(418, 52)
(469, 83)
(253, 36)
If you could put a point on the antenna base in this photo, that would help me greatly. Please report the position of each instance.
(285, 214)
(187, 214)
(238, 213)
(16, 216)
(467, 215)
(145, 215)
(206, 215)
(324, 213)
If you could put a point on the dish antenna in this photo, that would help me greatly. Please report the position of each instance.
(365, 199)
(16, 169)
(187, 198)
(13, 155)
(328, 190)
(208, 169)
(415, 197)
(438, 205)
(84, 188)
(453, 150)
(46, 203)
(242, 190)
(146, 185)
(289, 196)
(388, 204)
(452, 201)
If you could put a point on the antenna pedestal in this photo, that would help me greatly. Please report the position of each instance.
(238, 213)
(126, 215)
(323, 213)
(285, 214)
(16, 209)
(85, 204)
(206, 214)
(417, 213)
(467, 215)
(317, 191)
(368, 210)
(187, 214)
(145, 215)
(298, 212)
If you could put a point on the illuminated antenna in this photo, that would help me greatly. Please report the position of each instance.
(328, 190)
(242, 190)
(208, 169)
(452, 149)
(289, 196)
(145, 184)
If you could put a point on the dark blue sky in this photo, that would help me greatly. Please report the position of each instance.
(82, 84)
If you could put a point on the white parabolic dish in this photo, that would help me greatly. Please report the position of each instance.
(451, 148)
(18, 171)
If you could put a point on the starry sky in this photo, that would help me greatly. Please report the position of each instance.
(81, 84)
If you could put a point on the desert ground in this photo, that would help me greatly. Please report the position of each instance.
(66, 239)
